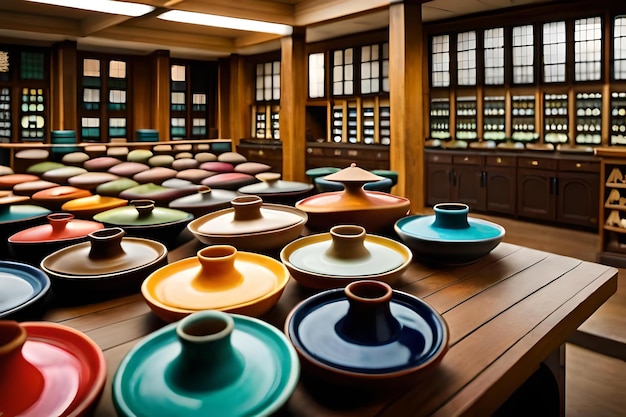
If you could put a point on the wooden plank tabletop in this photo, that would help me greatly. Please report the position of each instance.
(506, 314)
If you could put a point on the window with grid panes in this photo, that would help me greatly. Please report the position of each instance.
(178, 129)
(385, 67)
(493, 48)
(104, 104)
(117, 127)
(90, 129)
(370, 69)
(343, 72)
(523, 55)
(92, 84)
(466, 58)
(268, 81)
(554, 52)
(316, 75)
(198, 127)
(588, 49)
(440, 71)
(178, 87)
(619, 48)
(32, 66)
(117, 85)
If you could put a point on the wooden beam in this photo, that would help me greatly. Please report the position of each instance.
(97, 23)
(293, 94)
(406, 58)
(63, 87)
(310, 12)
(174, 39)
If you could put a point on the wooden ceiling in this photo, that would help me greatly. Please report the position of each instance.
(25, 22)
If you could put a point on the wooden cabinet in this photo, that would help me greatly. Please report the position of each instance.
(565, 190)
(612, 207)
(501, 187)
(551, 188)
(455, 177)
(578, 191)
(536, 188)
(341, 155)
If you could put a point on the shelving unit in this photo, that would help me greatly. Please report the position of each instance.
(589, 118)
(466, 118)
(353, 123)
(613, 206)
(618, 118)
(440, 118)
(494, 121)
(384, 124)
(523, 126)
(369, 125)
(337, 124)
(556, 122)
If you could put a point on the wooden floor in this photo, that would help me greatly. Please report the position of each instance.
(596, 356)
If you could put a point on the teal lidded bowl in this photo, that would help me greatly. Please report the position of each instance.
(449, 236)
(208, 363)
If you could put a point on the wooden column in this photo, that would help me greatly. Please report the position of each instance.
(238, 100)
(293, 93)
(223, 98)
(407, 85)
(160, 119)
(63, 95)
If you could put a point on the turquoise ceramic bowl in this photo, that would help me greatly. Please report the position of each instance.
(150, 380)
(449, 236)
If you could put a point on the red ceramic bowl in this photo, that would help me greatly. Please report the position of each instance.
(55, 370)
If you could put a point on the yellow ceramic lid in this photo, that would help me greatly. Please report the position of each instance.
(219, 278)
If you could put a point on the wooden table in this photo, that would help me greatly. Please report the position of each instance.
(507, 314)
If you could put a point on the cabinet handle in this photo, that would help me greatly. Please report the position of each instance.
(483, 179)
(554, 186)
(534, 163)
(579, 165)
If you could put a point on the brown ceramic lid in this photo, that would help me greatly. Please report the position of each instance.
(248, 215)
(61, 226)
(107, 252)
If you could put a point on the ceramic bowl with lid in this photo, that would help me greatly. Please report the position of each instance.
(54, 370)
(374, 210)
(345, 254)
(449, 236)
(219, 278)
(141, 218)
(206, 200)
(208, 361)
(250, 224)
(109, 263)
(367, 334)
(273, 189)
(15, 217)
(34, 243)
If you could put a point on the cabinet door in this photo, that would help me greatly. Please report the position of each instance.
(501, 190)
(438, 183)
(577, 200)
(536, 190)
(470, 183)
